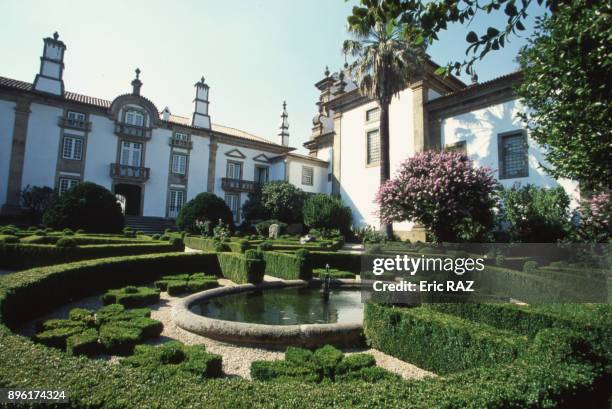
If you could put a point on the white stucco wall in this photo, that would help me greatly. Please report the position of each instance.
(319, 180)
(41, 146)
(198, 166)
(480, 128)
(101, 151)
(157, 158)
(7, 124)
(359, 183)
(327, 154)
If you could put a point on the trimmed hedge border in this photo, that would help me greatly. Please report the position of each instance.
(241, 269)
(99, 384)
(23, 256)
(438, 342)
(340, 261)
(287, 266)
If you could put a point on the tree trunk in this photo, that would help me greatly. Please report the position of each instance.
(385, 165)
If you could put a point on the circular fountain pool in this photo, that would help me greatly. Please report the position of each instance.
(276, 314)
(286, 306)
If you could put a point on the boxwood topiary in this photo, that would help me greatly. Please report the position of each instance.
(84, 343)
(119, 339)
(66, 242)
(9, 239)
(172, 357)
(185, 283)
(327, 358)
(86, 206)
(131, 296)
(205, 206)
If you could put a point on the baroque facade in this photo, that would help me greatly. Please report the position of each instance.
(154, 160)
(433, 112)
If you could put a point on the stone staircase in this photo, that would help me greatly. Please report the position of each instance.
(149, 225)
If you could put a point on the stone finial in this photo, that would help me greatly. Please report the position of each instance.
(55, 36)
(474, 78)
(283, 129)
(326, 71)
(136, 83)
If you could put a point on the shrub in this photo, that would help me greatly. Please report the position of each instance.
(173, 357)
(119, 339)
(9, 231)
(283, 201)
(333, 273)
(299, 356)
(177, 243)
(327, 358)
(282, 371)
(339, 261)
(156, 236)
(535, 214)
(131, 296)
(355, 362)
(67, 232)
(241, 269)
(86, 206)
(84, 343)
(184, 283)
(253, 208)
(530, 266)
(57, 337)
(9, 239)
(325, 213)
(165, 238)
(40, 232)
(287, 266)
(80, 231)
(438, 342)
(595, 219)
(458, 203)
(371, 374)
(81, 315)
(66, 243)
(37, 199)
(205, 206)
(265, 246)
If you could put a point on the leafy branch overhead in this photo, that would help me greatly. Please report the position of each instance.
(428, 18)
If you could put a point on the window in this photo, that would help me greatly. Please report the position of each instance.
(72, 148)
(134, 118)
(181, 136)
(261, 174)
(513, 155)
(179, 163)
(233, 202)
(177, 199)
(372, 114)
(66, 183)
(373, 147)
(131, 153)
(75, 118)
(234, 170)
(307, 175)
(460, 146)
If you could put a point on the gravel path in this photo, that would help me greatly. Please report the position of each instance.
(236, 359)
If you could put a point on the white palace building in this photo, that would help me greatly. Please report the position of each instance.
(156, 161)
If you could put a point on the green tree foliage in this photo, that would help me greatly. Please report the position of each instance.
(535, 214)
(283, 201)
(324, 212)
(567, 68)
(428, 18)
(37, 199)
(253, 209)
(86, 206)
(204, 207)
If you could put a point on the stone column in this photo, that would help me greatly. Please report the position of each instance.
(212, 164)
(419, 98)
(20, 133)
(336, 154)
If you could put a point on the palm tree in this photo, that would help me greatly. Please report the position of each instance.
(387, 57)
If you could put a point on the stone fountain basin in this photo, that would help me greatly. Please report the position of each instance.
(263, 335)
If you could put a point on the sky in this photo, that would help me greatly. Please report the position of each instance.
(254, 54)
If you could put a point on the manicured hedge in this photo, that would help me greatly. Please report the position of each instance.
(131, 296)
(172, 357)
(186, 283)
(333, 273)
(539, 382)
(22, 256)
(240, 269)
(287, 266)
(204, 244)
(438, 342)
(56, 284)
(341, 261)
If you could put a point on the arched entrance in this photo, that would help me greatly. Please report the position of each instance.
(133, 197)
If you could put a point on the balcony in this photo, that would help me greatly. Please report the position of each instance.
(180, 143)
(72, 123)
(238, 185)
(132, 131)
(129, 173)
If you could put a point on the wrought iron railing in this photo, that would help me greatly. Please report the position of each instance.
(123, 129)
(73, 123)
(239, 185)
(126, 172)
(180, 143)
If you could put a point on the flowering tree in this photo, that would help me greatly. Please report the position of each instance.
(444, 192)
(596, 219)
